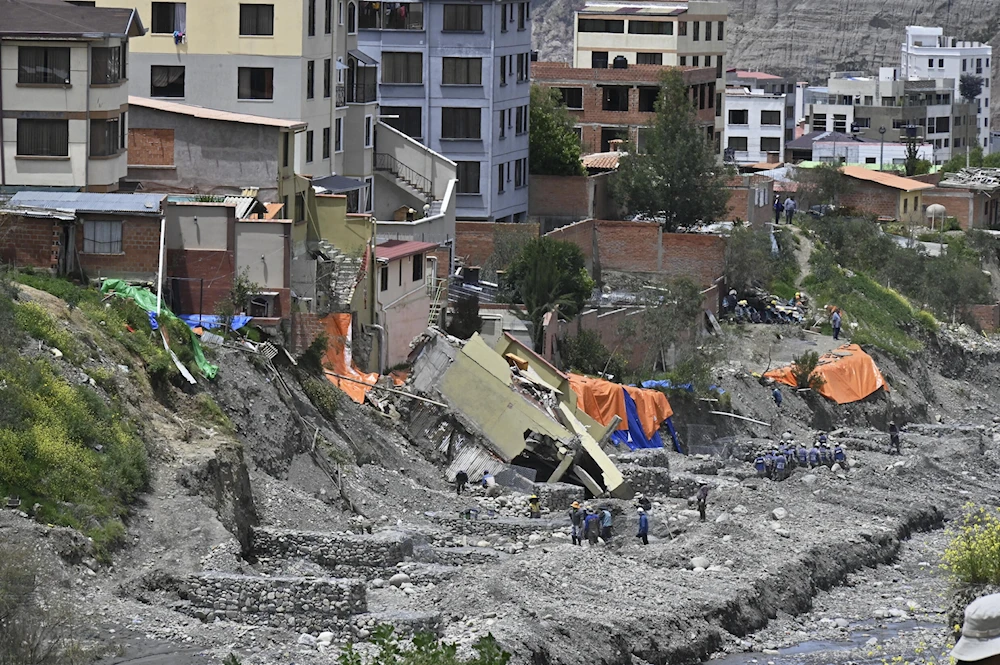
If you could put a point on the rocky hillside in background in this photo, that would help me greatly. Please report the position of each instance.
(807, 38)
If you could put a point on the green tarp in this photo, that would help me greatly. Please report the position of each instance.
(147, 300)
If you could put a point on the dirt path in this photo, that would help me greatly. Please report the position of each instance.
(802, 253)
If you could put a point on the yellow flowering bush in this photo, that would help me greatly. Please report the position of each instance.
(973, 555)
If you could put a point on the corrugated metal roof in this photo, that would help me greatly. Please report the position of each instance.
(133, 204)
(390, 250)
(212, 114)
(245, 205)
(885, 179)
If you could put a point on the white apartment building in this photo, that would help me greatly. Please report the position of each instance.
(64, 98)
(928, 53)
(755, 126)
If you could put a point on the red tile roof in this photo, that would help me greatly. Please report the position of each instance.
(391, 250)
(551, 72)
(743, 74)
(885, 179)
(601, 160)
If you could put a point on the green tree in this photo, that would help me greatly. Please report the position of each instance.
(549, 275)
(748, 260)
(823, 184)
(237, 300)
(553, 146)
(586, 353)
(671, 312)
(677, 177)
(913, 165)
(465, 322)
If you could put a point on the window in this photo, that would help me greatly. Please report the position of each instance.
(719, 32)
(739, 117)
(340, 12)
(770, 144)
(572, 98)
(43, 138)
(964, 66)
(327, 78)
(600, 25)
(503, 17)
(338, 135)
(770, 117)
(840, 123)
(650, 28)
(368, 131)
(521, 120)
(599, 60)
(522, 67)
(402, 67)
(166, 81)
(649, 58)
(718, 67)
(738, 143)
(683, 60)
(500, 179)
(391, 15)
(408, 120)
(906, 203)
(104, 137)
(647, 98)
(168, 18)
(124, 132)
(521, 15)
(940, 63)
(102, 237)
(105, 65)
(708, 61)
(310, 79)
(863, 123)
(352, 18)
(695, 61)
(383, 281)
(708, 31)
(463, 18)
(369, 192)
(614, 98)
(326, 143)
(311, 18)
(309, 146)
(503, 70)
(930, 62)
(256, 20)
(503, 123)
(468, 177)
(696, 35)
(38, 64)
(327, 17)
(682, 28)
(943, 125)
(462, 71)
(286, 142)
(979, 65)
(520, 173)
(460, 123)
(256, 83)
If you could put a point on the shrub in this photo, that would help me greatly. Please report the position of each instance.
(586, 353)
(209, 410)
(311, 359)
(425, 649)
(973, 555)
(34, 320)
(804, 371)
(324, 396)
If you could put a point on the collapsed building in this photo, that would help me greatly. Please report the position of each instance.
(511, 413)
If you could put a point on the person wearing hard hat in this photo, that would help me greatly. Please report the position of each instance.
(980, 641)
(643, 502)
(643, 534)
(534, 507)
(576, 516)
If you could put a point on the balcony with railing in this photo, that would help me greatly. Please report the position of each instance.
(341, 96)
(362, 93)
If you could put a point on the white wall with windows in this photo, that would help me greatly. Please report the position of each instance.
(755, 126)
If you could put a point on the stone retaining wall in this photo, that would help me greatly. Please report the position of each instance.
(312, 604)
(559, 496)
(515, 528)
(344, 554)
(650, 480)
(457, 556)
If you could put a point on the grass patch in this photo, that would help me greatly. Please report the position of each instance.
(60, 287)
(212, 414)
(34, 320)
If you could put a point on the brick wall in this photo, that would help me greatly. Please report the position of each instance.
(140, 255)
(986, 317)
(150, 147)
(699, 257)
(306, 327)
(743, 199)
(559, 196)
(474, 240)
(25, 241)
(871, 199)
(961, 204)
(185, 267)
(580, 234)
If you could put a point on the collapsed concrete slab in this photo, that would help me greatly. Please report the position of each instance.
(521, 411)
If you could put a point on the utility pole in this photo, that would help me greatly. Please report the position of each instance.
(881, 146)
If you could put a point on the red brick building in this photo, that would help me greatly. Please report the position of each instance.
(96, 235)
(610, 104)
(884, 195)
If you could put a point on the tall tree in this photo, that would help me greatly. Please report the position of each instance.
(677, 177)
(969, 86)
(553, 148)
(549, 275)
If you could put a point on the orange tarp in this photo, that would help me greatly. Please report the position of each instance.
(603, 400)
(849, 373)
(338, 358)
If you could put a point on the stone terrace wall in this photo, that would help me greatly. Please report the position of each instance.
(515, 528)
(341, 553)
(312, 604)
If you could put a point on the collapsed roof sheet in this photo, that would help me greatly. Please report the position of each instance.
(849, 375)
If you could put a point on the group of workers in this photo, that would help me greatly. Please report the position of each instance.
(779, 462)
(589, 523)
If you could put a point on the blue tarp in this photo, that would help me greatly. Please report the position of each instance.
(667, 384)
(634, 437)
(210, 321)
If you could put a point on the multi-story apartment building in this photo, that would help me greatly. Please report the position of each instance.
(456, 77)
(686, 33)
(64, 94)
(865, 105)
(288, 59)
(619, 103)
(928, 54)
(755, 126)
(774, 85)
